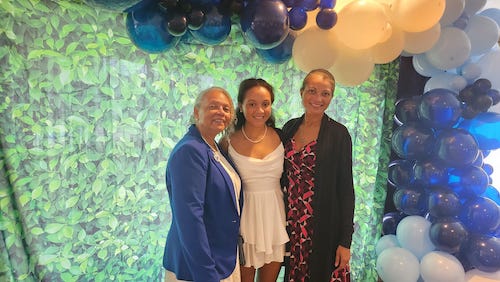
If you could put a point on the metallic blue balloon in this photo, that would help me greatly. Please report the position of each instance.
(481, 215)
(483, 252)
(443, 202)
(406, 110)
(298, 18)
(485, 127)
(400, 173)
(327, 4)
(469, 181)
(413, 141)
(448, 235)
(216, 28)
(326, 18)
(430, 173)
(280, 53)
(439, 108)
(265, 23)
(308, 5)
(411, 201)
(456, 147)
(147, 30)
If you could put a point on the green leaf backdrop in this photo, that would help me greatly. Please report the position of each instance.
(87, 124)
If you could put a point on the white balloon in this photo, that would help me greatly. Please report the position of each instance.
(490, 66)
(473, 6)
(423, 67)
(483, 34)
(446, 80)
(451, 50)
(452, 11)
(442, 267)
(385, 242)
(420, 42)
(492, 13)
(476, 275)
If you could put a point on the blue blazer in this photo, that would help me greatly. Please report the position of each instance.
(202, 240)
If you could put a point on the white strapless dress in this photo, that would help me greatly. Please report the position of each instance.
(263, 216)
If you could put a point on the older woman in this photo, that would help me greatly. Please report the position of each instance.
(320, 193)
(204, 191)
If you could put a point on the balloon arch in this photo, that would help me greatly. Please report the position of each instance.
(447, 227)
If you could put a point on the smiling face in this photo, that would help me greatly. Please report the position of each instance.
(317, 93)
(256, 106)
(213, 114)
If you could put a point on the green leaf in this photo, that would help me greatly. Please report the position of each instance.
(52, 228)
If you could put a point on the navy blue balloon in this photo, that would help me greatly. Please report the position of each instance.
(413, 141)
(444, 203)
(308, 5)
(494, 94)
(177, 24)
(483, 252)
(265, 23)
(456, 147)
(280, 53)
(481, 215)
(327, 4)
(146, 28)
(390, 222)
(195, 19)
(479, 161)
(468, 181)
(407, 110)
(215, 29)
(113, 5)
(400, 173)
(485, 128)
(298, 18)
(448, 235)
(326, 18)
(289, 3)
(439, 108)
(411, 201)
(492, 194)
(430, 173)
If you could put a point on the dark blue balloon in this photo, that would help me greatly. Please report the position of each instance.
(406, 110)
(327, 4)
(479, 160)
(400, 173)
(411, 201)
(413, 141)
(456, 147)
(215, 29)
(485, 127)
(483, 252)
(298, 18)
(480, 215)
(390, 222)
(308, 5)
(147, 30)
(444, 203)
(280, 53)
(265, 23)
(439, 108)
(430, 173)
(492, 194)
(289, 3)
(326, 18)
(468, 181)
(495, 95)
(113, 5)
(448, 235)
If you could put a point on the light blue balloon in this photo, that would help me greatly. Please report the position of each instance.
(413, 234)
(483, 34)
(398, 265)
(470, 71)
(451, 50)
(441, 266)
(492, 13)
(385, 242)
(424, 67)
(446, 80)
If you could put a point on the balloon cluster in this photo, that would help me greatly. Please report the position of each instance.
(447, 227)
(448, 211)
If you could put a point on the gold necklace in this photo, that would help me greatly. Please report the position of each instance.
(251, 140)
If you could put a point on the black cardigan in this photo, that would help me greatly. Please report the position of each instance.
(333, 199)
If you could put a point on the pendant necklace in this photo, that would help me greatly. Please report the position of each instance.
(251, 140)
(215, 151)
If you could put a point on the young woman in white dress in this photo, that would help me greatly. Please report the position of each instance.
(256, 149)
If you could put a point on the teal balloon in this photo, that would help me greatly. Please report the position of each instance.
(215, 29)
(485, 127)
(281, 53)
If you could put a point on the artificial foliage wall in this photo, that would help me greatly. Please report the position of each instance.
(87, 122)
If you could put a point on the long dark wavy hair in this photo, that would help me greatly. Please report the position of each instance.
(246, 85)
